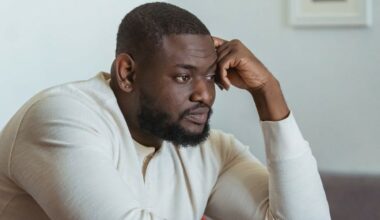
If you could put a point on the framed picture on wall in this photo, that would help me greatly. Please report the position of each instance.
(312, 13)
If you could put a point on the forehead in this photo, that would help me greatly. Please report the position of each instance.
(191, 49)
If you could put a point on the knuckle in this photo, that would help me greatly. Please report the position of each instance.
(235, 41)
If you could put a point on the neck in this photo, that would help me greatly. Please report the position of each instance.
(137, 134)
(144, 138)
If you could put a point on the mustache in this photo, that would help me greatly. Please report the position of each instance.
(194, 108)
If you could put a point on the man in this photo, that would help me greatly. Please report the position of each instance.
(136, 144)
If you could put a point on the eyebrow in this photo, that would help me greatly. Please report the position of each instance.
(191, 67)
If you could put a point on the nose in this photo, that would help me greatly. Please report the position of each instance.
(203, 91)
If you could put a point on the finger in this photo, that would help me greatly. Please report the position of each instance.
(224, 45)
(220, 86)
(225, 84)
(218, 41)
(222, 52)
(224, 65)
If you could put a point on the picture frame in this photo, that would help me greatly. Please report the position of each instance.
(325, 13)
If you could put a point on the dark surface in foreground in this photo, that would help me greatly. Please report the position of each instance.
(352, 197)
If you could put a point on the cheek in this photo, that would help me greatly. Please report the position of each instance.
(175, 99)
(172, 99)
(179, 101)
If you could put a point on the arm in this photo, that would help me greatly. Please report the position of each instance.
(62, 158)
(292, 188)
(289, 188)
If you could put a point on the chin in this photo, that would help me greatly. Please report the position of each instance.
(190, 136)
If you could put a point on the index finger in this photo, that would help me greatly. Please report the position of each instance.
(218, 41)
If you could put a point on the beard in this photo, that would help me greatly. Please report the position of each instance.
(160, 124)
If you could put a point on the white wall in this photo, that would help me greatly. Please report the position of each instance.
(329, 76)
(44, 43)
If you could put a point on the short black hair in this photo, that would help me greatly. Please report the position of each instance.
(142, 29)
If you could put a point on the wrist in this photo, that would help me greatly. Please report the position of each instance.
(268, 85)
(270, 102)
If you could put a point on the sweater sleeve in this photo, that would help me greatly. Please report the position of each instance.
(289, 188)
(61, 158)
(295, 187)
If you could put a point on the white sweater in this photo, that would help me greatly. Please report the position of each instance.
(68, 154)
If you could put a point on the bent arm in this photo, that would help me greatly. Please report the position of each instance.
(290, 187)
(295, 187)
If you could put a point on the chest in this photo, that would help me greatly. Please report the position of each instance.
(172, 183)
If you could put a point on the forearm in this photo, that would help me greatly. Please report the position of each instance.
(295, 187)
(270, 102)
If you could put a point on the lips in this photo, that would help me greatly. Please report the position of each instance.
(198, 116)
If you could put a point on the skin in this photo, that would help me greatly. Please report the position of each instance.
(239, 67)
(182, 75)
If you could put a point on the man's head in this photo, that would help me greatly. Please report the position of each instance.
(163, 74)
(141, 31)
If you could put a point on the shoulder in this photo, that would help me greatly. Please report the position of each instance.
(72, 108)
(223, 145)
(75, 101)
(220, 138)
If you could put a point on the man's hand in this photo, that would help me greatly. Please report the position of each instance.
(239, 67)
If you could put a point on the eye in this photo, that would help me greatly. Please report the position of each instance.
(182, 78)
(210, 76)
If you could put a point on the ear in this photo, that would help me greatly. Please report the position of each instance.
(125, 72)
